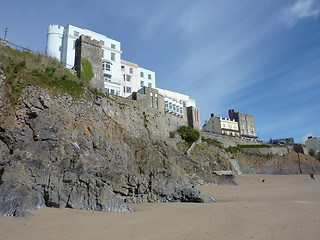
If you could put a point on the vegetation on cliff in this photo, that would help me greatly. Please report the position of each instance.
(24, 69)
(189, 134)
(86, 153)
(239, 148)
(86, 71)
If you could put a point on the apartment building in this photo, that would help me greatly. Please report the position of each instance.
(129, 81)
(61, 43)
(174, 101)
(146, 78)
(313, 143)
(245, 122)
(120, 77)
(221, 125)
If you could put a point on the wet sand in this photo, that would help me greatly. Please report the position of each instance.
(283, 207)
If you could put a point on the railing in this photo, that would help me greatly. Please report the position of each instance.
(16, 46)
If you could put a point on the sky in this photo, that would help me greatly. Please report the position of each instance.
(260, 57)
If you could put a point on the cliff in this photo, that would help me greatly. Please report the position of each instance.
(84, 151)
(63, 145)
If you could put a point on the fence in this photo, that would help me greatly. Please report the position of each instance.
(13, 45)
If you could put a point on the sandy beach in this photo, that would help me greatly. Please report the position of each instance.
(283, 207)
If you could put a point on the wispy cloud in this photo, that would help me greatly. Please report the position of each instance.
(302, 9)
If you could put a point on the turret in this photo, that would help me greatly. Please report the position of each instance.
(54, 41)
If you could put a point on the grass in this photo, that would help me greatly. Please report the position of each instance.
(239, 148)
(23, 69)
(213, 142)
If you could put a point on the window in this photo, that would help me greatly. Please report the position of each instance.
(128, 89)
(177, 109)
(151, 101)
(102, 42)
(149, 76)
(141, 74)
(118, 92)
(122, 68)
(170, 106)
(106, 66)
(113, 56)
(174, 107)
(74, 44)
(102, 52)
(106, 90)
(106, 78)
(181, 111)
(141, 83)
(156, 101)
(131, 70)
(166, 105)
(113, 46)
(124, 89)
(149, 84)
(76, 34)
(128, 78)
(112, 91)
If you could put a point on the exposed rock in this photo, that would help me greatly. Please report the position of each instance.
(62, 152)
(291, 163)
(96, 153)
(18, 200)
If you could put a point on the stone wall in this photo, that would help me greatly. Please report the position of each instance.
(157, 120)
(228, 140)
(90, 50)
(193, 115)
(267, 151)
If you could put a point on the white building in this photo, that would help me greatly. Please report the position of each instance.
(221, 125)
(146, 78)
(313, 143)
(174, 102)
(120, 77)
(61, 45)
(135, 78)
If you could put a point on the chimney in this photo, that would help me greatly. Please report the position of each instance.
(231, 111)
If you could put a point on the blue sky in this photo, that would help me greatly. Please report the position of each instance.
(258, 57)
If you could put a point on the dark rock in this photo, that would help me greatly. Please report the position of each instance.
(18, 200)
(70, 155)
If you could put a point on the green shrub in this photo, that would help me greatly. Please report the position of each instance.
(189, 134)
(318, 156)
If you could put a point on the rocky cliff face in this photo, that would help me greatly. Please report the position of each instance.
(64, 152)
(102, 154)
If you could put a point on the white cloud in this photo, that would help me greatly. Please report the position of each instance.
(302, 9)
